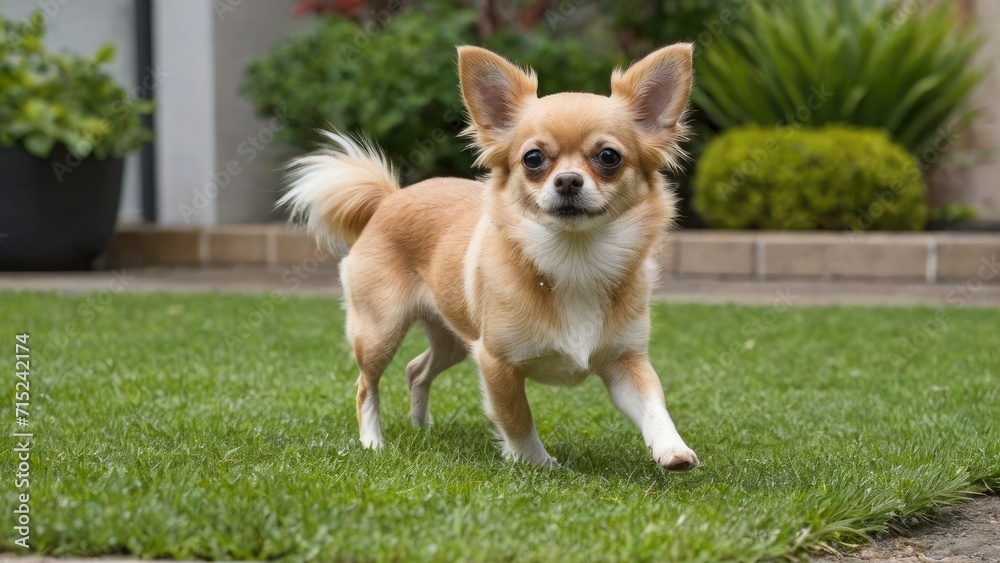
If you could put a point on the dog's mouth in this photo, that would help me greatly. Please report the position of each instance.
(574, 212)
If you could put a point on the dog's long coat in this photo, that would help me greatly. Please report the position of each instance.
(541, 272)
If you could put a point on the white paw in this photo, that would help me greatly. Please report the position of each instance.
(372, 440)
(544, 461)
(674, 457)
(549, 463)
(529, 450)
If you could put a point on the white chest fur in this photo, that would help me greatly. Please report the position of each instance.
(580, 267)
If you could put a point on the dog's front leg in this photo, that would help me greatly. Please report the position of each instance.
(507, 406)
(636, 391)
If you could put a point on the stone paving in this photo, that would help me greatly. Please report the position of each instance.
(323, 280)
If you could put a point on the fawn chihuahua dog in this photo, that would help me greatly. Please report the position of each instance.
(542, 271)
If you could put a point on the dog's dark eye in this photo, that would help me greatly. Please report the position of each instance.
(533, 159)
(609, 158)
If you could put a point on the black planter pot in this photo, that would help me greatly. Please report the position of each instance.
(56, 213)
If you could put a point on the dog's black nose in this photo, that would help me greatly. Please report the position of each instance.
(568, 184)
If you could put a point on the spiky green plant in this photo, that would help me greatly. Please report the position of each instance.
(869, 63)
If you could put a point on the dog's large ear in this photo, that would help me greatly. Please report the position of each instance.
(493, 89)
(657, 89)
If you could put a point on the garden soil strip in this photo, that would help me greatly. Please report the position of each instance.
(964, 533)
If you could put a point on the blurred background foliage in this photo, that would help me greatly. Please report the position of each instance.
(391, 73)
(50, 98)
(906, 74)
(805, 179)
(387, 67)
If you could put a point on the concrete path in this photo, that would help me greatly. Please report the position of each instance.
(295, 280)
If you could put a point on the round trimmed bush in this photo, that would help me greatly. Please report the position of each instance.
(830, 178)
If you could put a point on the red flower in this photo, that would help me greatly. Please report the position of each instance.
(303, 7)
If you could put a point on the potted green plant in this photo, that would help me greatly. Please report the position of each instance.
(65, 126)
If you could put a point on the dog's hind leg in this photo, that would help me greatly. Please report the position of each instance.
(377, 319)
(374, 348)
(445, 350)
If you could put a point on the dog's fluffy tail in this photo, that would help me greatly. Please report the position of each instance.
(337, 189)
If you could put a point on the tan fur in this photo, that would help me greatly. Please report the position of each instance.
(490, 267)
(339, 187)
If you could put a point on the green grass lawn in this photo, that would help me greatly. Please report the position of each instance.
(224, 427)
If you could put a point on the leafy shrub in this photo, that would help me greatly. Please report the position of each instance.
(649, 24)
(951, 216)
(831, 178)
(860, 62)
(396, 80)
(51, 98)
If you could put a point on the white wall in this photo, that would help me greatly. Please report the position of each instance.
(248, 31)
(84, 26)
(984, 189)
(970, 172)
(185, 112)
(208, 172)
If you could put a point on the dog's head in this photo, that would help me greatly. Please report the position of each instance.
(573, 159)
